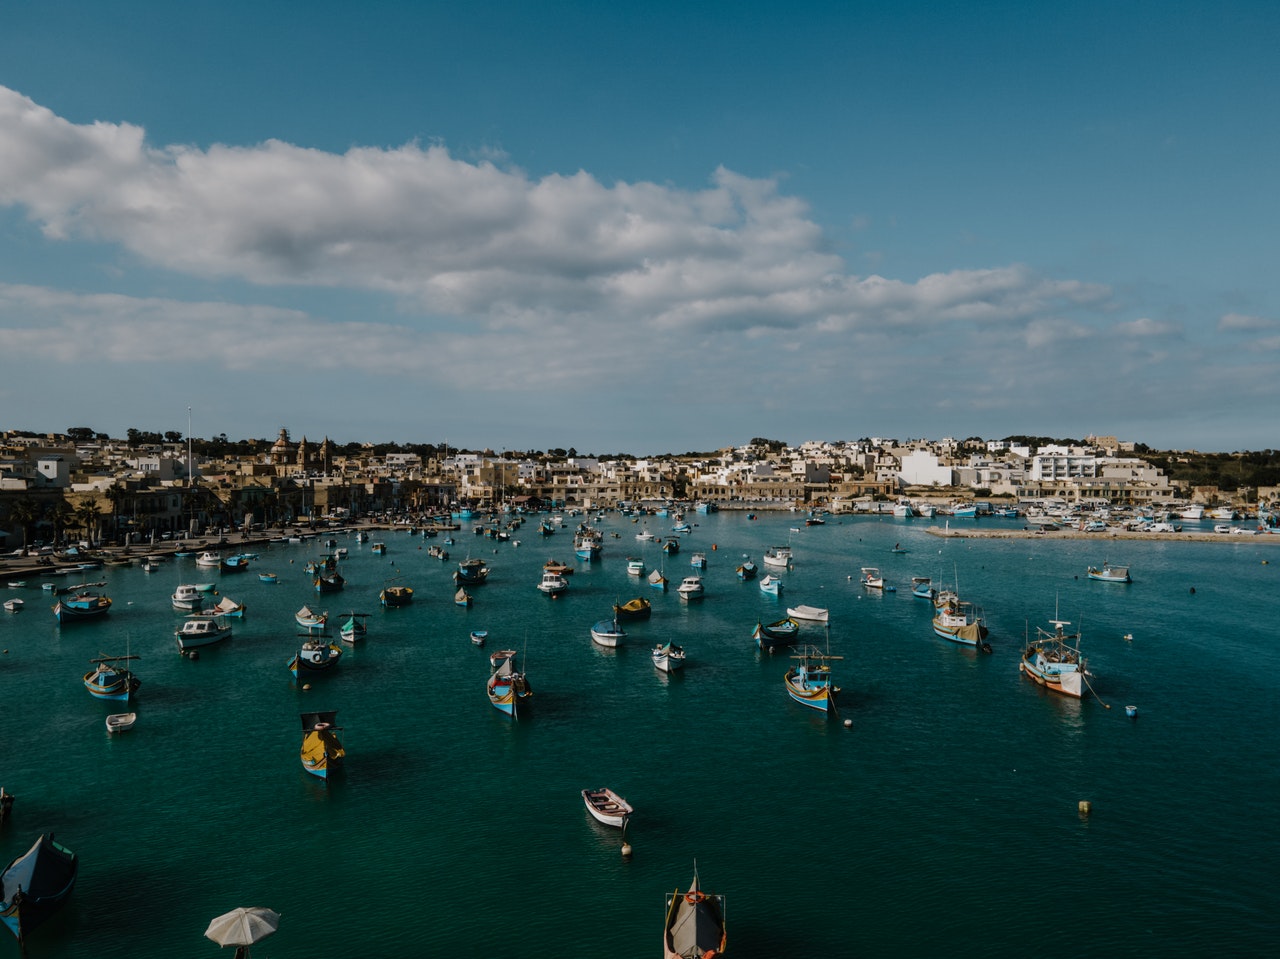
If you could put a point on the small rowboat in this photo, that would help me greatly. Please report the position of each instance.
(119, 722)
(607, 806)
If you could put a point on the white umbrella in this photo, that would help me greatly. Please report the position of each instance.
(243, 926)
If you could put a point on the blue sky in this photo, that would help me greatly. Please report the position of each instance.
(648, 228)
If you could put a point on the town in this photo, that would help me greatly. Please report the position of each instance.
(86, 485)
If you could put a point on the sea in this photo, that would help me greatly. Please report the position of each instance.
(938, 813)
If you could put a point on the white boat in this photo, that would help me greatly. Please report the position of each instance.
(13, 605)
(778, 556)
(607, 806)
(771, 584)
(691, 588)
(668, 657)
(119, 722)
(187, 598)
(608, 633)
(201, 631)
(810, 614)
(552, 583)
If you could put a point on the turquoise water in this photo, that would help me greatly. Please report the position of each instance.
(944, 820)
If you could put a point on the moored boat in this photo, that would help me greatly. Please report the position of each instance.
(1053, 660)
(784, 632)
(695, 924)
(1106, 573)
(607, 806)
(322, 751)
(668, 657)
(35, 885)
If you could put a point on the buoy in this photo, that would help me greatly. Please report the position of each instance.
(1085, 807)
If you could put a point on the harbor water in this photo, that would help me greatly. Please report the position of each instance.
(943, 818)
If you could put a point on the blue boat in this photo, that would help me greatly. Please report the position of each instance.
(109, 681)
(35, 885)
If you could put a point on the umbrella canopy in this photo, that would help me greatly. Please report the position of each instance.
(243, 926)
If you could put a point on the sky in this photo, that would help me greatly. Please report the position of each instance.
(642, 228)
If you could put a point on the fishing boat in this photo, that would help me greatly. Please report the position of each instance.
(698, 560)
(508, 687)
(310, 620)
(695, 924)
(108, 680)
(229, 607)
(808, 682)
(552, 584)
(121, 722)
(393, 596)
(314, 655)
(771, 585)
(187, 598)
(691, 588)
(81, 605)
(811, 614)
(13, 605)
(1053, 660)
(329, 582)
(608, 633)
(353, 628)
(657, 580)
(607, 806)
(781, 633)
(872, 578)
(778, 557)
(747, 570)
(199, 630)
(961, 622)
(478, 636)
(322, 752)
(462, 597)
(635, 567)
(1106, 573)
(922, 588)
(36, 885)
(668, 657)
(638, 608)
(472, 572)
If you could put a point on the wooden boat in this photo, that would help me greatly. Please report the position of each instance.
(353, 628)
(36, 885)
(811, 614)
(922, 587)
(187, 598)
(13, 605)
(695, 924)
(478, 636)
(808, 682)
(691, 588)
(961, 622)
(310, 620)
(784, 632)
(747, 570)
(607, 806)
(107, 680)
(633, 609)
(121, 722)
(668, 657)
(314, 655)
(80, 606)
(1106, 573)
(608, 633)
(198, 630)
(229, 607)
(322, 752)
(472, 572)
(778, 556)
(462, 597)
(552, 584)
(771, 584)
(393, 596)
(508, 687)
(1053, 660)
(657, 580)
